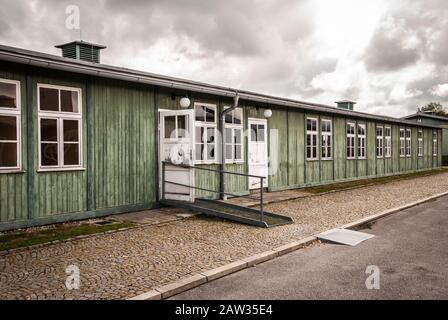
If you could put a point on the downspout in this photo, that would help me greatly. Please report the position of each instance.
(222, 116)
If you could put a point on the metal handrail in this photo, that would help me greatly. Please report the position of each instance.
(164, 163)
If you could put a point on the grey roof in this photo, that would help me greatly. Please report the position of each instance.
(99, 46)
(426, 115)
(45, 60)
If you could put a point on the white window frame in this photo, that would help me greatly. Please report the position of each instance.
(60, 116)
(206, 125)
(380, 142)
(361, 141)
(233, 127)
(314, 140)
(351, 137)
(408, 144)
(17, 113)
(420, 143)
(387, 142)
(435, 143)
(328, 146)
(402, 143)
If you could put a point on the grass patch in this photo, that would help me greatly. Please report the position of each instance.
(59, 232)
(372, 181)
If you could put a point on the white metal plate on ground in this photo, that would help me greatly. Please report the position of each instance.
(345, 236)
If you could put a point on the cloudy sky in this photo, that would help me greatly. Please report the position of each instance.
(390, 56)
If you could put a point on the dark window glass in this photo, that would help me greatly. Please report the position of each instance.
(8, 94)
(260, 133)
(199, 134)
(308, 124)
(211, 151)
(69, 101)
(8, 128)
(49, 99)
(238, 116)
(228, 117)
(71, 130)
(199, 151)
(209, 115)
(170, 126)
(199, 113)
(71, 154)
(48, 130)
(253, 132)
(8, 154)
(49, 154)
(181, 126)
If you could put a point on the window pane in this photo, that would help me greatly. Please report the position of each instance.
(210, 135)
(71, 130)
(253, 132)
(69, 101)
(71, 154)
(8, 128)
(209, 115)
(181, 126)
(170, 126)
(238, 116)
(260, 133)
(210, 151)
(8, 97)
(228, 135)
(238, 152)
(313, 125)
(237, 136)
(49, 99)
(229, 152)
(308, 124)
(48, 130)
(199, 151)
(199, 113)
(49, 154)
(199, 134)
(8, 154)
(228, 117)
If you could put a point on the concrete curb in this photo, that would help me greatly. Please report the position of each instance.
(196, 280)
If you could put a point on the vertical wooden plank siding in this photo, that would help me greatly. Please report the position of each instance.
(14, 186)
(124, 144)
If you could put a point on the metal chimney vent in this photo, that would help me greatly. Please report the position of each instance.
(81, 50)
(346, 104)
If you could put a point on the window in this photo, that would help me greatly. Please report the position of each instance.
(408, 143)
(379, 142)
(402, 143)
(420, 142)
(361, 141)
(60, 128)
(10, 123)
(326, 139)
(234, 135)
(435, 144)
(350, 140)
(205, 126)
(388, 142)
(311, 139)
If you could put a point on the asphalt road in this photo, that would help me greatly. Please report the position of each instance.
(410, 248)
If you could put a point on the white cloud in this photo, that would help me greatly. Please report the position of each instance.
(440, 90)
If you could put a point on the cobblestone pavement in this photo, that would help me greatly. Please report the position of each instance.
(123, 264)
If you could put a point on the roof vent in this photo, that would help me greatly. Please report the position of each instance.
(81, 50)
(346, 104)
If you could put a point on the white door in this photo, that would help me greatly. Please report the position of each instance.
(176, 143)
(258, 152)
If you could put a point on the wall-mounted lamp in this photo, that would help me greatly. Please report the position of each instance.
(184, 102)
(267, 113)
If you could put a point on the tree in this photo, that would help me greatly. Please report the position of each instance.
(434, 108)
